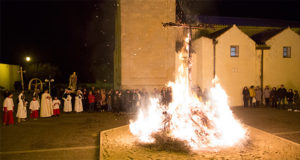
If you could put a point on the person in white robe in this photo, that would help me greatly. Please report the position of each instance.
(46, 105)
(56, 104)
(22, 111)
(8, 109)
(34, 107)
(67, 101)
(78, 102)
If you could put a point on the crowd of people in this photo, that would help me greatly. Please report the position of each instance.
(93, 100)
(122, 100)
(275, 97)
(100, 100)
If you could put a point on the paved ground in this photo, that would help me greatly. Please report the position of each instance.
(71, 136)
(76, 136)
(278, 122)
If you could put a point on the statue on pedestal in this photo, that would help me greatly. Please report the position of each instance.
(73, 81)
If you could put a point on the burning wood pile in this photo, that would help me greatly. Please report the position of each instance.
(188, 121)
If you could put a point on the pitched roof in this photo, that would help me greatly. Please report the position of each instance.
(219, 32)
(262, 37)
(259, 34)
(242, 21)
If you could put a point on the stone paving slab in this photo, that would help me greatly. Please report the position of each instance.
(119, 143)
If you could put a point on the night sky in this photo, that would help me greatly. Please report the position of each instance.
(78, 35)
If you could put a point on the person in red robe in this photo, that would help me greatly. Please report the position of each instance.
(8, 108)
(56, 104)
(34, 107)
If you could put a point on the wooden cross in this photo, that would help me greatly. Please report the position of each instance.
(189, 27)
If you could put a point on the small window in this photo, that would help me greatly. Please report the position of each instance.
(234, 51)
(286, 52)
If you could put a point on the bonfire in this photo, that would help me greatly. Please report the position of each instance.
(201, 126)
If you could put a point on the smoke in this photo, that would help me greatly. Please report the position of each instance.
(187, 11)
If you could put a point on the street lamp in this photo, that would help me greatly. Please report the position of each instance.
(49, 83)
(28, 59)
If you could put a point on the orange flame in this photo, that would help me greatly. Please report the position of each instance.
(203, 126)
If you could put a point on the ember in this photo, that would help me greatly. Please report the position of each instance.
(201, 126)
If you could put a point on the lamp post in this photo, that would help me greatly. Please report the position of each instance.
(49, 84)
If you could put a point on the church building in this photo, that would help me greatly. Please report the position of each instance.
(239, 55)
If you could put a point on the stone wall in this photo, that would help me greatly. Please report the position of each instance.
(147, 49)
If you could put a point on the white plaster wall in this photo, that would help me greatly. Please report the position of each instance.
(236, 72)
(279, 70)
(204, 65)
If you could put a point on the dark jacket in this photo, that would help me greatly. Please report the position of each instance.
(85, 100)
(296, 98)
(116, 102)
(97, 97)
(281, 92)
(246, 94)
(290, 96)
(273, 95)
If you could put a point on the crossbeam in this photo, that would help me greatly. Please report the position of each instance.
(192, 26)
(189, 27)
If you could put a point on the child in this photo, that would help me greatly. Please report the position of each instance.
(56, 104)
(8, 108)
(22, 111)
(34, 107)
(91, 99)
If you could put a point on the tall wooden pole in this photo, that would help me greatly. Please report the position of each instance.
(189, 27)
(190, 60)
(21, 74)
(262, 73)
(262, 48)
(214, 59)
